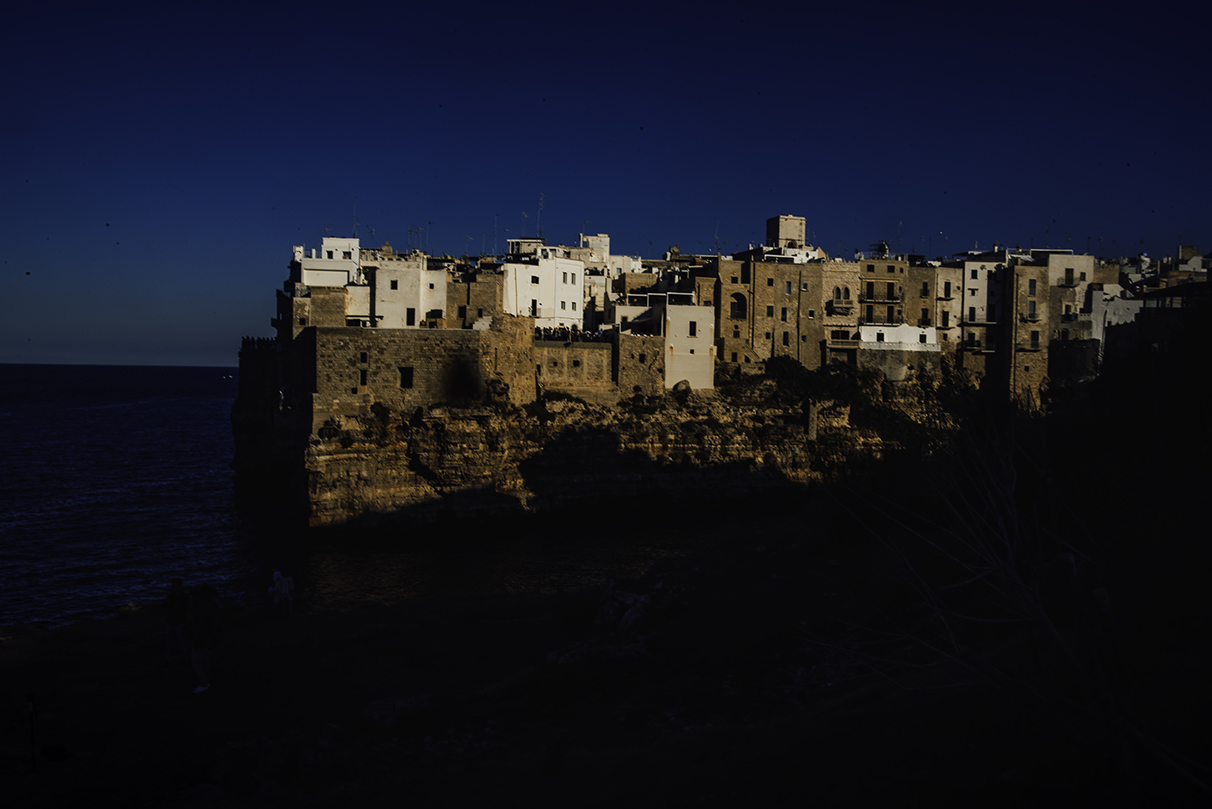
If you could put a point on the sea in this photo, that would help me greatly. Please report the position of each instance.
(116, 479)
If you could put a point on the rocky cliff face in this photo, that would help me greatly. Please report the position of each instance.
(498, 460)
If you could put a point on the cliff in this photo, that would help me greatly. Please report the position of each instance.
(552, 453)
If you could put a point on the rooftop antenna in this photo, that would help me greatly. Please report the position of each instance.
(717, 237)
(427, 236)
(898, 237)
(525, 216)
(538, 222)
(355, 219)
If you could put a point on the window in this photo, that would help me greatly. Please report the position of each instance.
(925, 317)
(786, 338)
(837, 293)
(787, 288)
(1030, 308)
(694, 329)
(971, 313)
(784, 315)
(362, 377)
(462, 313)
(565, 278)
(479, 313)
(871, 290)
(925, 289)
(362, 358)
(410, 318)
(971, 340)
(946, 289)
(576, 363)
(534, 279)
(302, 321)
(811, 313)
(1031, 286)
(563, 304)
(734, 356)
(992, 312)
(329, 254)
(734, 279)
(395, 284)
(769, 282)
(879, 337)
(736, 332)
(870, 314)
(1035, 339)
(643, 358)
(431, 286)
(946, 324)
(574, 278)
(974, 275)
(846, 293)
(769, 311)
(890, 320)
(921, 338)
(692, 351)
(406, 377)
(736, 308)
(803, 338)
(891, 292)
(891, 268)
(574, 306)
(803, 286)
(870, 268)
(345, 254)
(766, 336)
(534, 309)
(1083, 277)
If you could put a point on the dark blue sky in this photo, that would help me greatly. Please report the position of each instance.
(160, 162)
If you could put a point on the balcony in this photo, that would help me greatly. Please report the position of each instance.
(1030, 317)
(839, 344)
(1069, 317)
(840, 307)
(1034, 345)
(897, 298)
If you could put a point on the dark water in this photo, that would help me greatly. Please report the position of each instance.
(115, 479)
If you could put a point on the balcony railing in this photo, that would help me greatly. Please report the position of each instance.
(897, 298)
(837, 307)
(1029, 317)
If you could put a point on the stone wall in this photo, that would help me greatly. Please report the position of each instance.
(640, 364)
(584, 370)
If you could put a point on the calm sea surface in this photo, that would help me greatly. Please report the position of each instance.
(114, 479)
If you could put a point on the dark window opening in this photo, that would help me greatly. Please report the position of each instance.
(576, 363)
(462, 312)
(406, 377)
(395, 284)
(410, 317)
(786, 338)
(643, 358)
(362, 358)
(362, 377)
(769, 311)
(694, 329)
(769, 282)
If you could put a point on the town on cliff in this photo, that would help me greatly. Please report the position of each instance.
(401, 381)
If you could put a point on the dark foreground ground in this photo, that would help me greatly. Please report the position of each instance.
(733, 676)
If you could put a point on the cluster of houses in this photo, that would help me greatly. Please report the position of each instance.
(358, 325)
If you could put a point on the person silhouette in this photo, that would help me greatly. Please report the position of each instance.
(176, 612)
(204, 626)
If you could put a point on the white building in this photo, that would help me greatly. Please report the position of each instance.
(548, 287)
(383, 289)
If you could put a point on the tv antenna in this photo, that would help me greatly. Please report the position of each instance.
(538, 222)
(525, 216)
